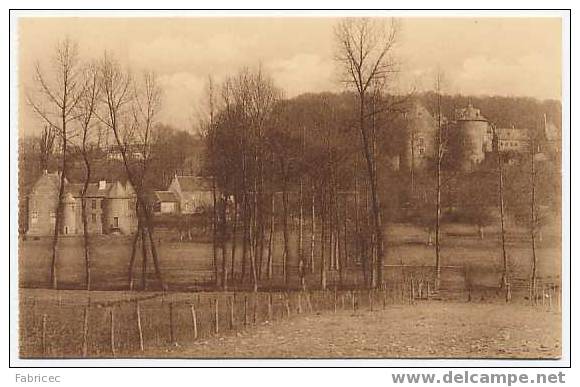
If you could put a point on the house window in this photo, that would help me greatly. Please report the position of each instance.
(94, 218)
(34, 217)
(116, 222)
(52, 217)
(94, 204)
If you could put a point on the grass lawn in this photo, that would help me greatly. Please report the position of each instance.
(187, 265)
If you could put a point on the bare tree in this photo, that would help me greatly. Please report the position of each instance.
(501, 205)
(58, 97)
(130, 118)
(533, 217)
(85, 116)
(46, 146)
(439, 160)
(365, 54)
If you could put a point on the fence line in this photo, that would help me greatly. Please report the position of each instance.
(72, 327)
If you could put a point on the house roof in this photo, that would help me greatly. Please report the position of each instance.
(93, 190)
(165, 196)
(194, 183)
(513, 133)
(48, 179)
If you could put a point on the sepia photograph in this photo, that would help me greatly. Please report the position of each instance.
(311, 186)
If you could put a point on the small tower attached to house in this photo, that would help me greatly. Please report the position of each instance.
(69, 216)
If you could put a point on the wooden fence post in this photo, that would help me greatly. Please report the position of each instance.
(255, 308)
(371, 299)
(299, 303)
(140, 328)
(287, 299)
(384, 297)
(543, 296)
(216, 316)
(232, 301)
(171, 328)
(270, 307)
(85, 331)
(245, 309)
(194, 321)
(44, 348)
(335, 299)
(112, 315)
(352, 296)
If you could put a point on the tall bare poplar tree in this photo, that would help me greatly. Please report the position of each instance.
(365, 53)
(85, 115)
(55, 103)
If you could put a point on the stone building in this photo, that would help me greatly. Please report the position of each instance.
(468, 137)
(194, 193)
(420, 138)
(109, 207)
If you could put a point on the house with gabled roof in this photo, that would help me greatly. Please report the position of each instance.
(164, 202)
(194, 193)
(109, 207)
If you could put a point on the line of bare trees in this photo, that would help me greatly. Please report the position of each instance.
(76, 100)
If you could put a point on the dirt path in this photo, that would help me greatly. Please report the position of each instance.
(434, 329)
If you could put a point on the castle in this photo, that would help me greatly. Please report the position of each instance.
(468, 138)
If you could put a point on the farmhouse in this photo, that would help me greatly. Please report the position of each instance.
(164, 202)
(109, 207)
(193, 193)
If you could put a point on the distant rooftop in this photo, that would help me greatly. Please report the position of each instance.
(469, 113)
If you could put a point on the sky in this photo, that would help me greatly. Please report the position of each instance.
(478, 56)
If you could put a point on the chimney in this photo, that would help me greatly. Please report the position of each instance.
(102, 184)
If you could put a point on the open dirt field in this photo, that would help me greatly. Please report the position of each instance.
(423, 330)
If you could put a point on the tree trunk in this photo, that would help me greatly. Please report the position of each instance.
(313, 233)
(376, 211)
(234, 240)
(271, 237)
(144, 257)
(84, 215)
(59, 212)
(505, 274)
(224, 232)
(133, 255)
(533, 222)
(322, 243)
(214, 234)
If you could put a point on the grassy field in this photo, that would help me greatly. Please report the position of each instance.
(188, 265)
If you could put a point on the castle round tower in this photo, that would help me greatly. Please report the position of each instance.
(469, 137)
(68, 218)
